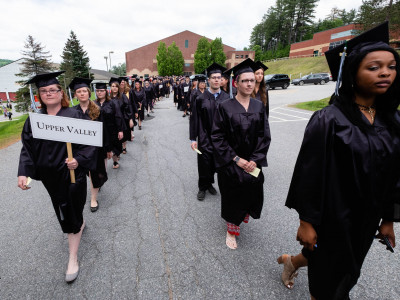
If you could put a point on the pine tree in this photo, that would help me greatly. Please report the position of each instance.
(75, 61)
(217, 54)
(35, 61)
(202, 55)
(162, 59)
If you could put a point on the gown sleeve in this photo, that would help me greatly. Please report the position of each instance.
(308, 186)
(128, 106)
(263, 141)
(27, 164)
(223, 152)
(194, 120)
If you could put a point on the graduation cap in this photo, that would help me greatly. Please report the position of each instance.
(101, 86)
(147, 79)
(123, 78)
(46, 79)
(112, 80)
(260, 65)
(78, 83)
(374, 39)
(200, 78)
(214, 68)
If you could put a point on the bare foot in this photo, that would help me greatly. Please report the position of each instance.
(231, 241)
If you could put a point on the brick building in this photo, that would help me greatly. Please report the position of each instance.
(142, 61)
(323, 41)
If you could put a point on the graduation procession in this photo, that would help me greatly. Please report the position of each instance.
(208, 182)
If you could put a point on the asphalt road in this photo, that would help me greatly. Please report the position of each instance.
(151, 238)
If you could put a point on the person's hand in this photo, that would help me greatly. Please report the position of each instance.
(120, 135)
(194, 145)
(386, 229)
(306, 235)
(72, 165)
(109, 155)
(22, 183)
(131, 123)
(248, 166)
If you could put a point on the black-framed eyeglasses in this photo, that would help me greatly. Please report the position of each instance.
(247, 81)
(51, 92)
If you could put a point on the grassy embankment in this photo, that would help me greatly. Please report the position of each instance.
(10, 131)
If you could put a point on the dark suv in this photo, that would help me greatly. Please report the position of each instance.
(274, 80)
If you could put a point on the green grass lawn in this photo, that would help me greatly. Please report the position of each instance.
(10, 131)
(313, 105)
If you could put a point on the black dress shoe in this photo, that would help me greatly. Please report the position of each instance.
(94, 209)
(201, 195)
(212, 190)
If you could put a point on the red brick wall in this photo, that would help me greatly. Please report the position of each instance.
(3, 96)
(142, 58)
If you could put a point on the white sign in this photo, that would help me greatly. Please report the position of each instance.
(69, 130)
(186, 89)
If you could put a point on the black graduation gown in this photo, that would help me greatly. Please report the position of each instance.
(114, 122)
(247, 135)
(45, 160)
(98, 175)
(139, 98)
(166, 88)
(258, 97)
(344, 182)
(183, 99)
(156, 90)
(161, 89)
(201, 121)
(127, 113)
(149, 96)
(177, 94)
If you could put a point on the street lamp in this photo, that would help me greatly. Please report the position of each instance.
(109, 55)
(105, 57)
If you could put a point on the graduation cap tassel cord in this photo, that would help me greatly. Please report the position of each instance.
(230, 86)
(70, 96)
(339, 79)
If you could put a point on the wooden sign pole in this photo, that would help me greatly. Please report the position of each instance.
(70, 158)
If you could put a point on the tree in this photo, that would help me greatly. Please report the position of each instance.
(119, 70)
(217, 54)
(201, 56)
(75, 61)
(374, 12)
(162, 59)
(175, 60)
(35, 61)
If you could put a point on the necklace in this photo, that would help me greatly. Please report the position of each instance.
(370, 109)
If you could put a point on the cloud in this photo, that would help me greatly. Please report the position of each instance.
(121, 26)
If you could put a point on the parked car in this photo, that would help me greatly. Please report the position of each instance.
(312, 78)
(325, 75)
(277, 80)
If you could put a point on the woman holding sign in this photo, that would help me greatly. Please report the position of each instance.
(47, 161)
(241, 139)
(91, 111)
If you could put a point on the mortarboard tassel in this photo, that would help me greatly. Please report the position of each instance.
(339, 78)
(230, 86)
(35, 109)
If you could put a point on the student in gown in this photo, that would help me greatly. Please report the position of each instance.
(90, 111)
(176, 93)
(185, 90)
(112, 118)
(149, 96)
(346, 182)
(126, 110)
(192, 91)
(47, 161)
(260, 91)
(225, 86)
(181, 94)
(161, 88)
(125, 89)
(201, 121)
(139, 98)
(167, 90)
(241, 138)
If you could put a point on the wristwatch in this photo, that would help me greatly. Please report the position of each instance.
(236, 159)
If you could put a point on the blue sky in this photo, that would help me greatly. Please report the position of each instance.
(121, 26)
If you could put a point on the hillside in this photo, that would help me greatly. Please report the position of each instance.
(297, 66)
(4, 61)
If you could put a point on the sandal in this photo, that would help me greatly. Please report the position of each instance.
(231, 242)
(124, 150)
(116, 165)
(289, 271)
